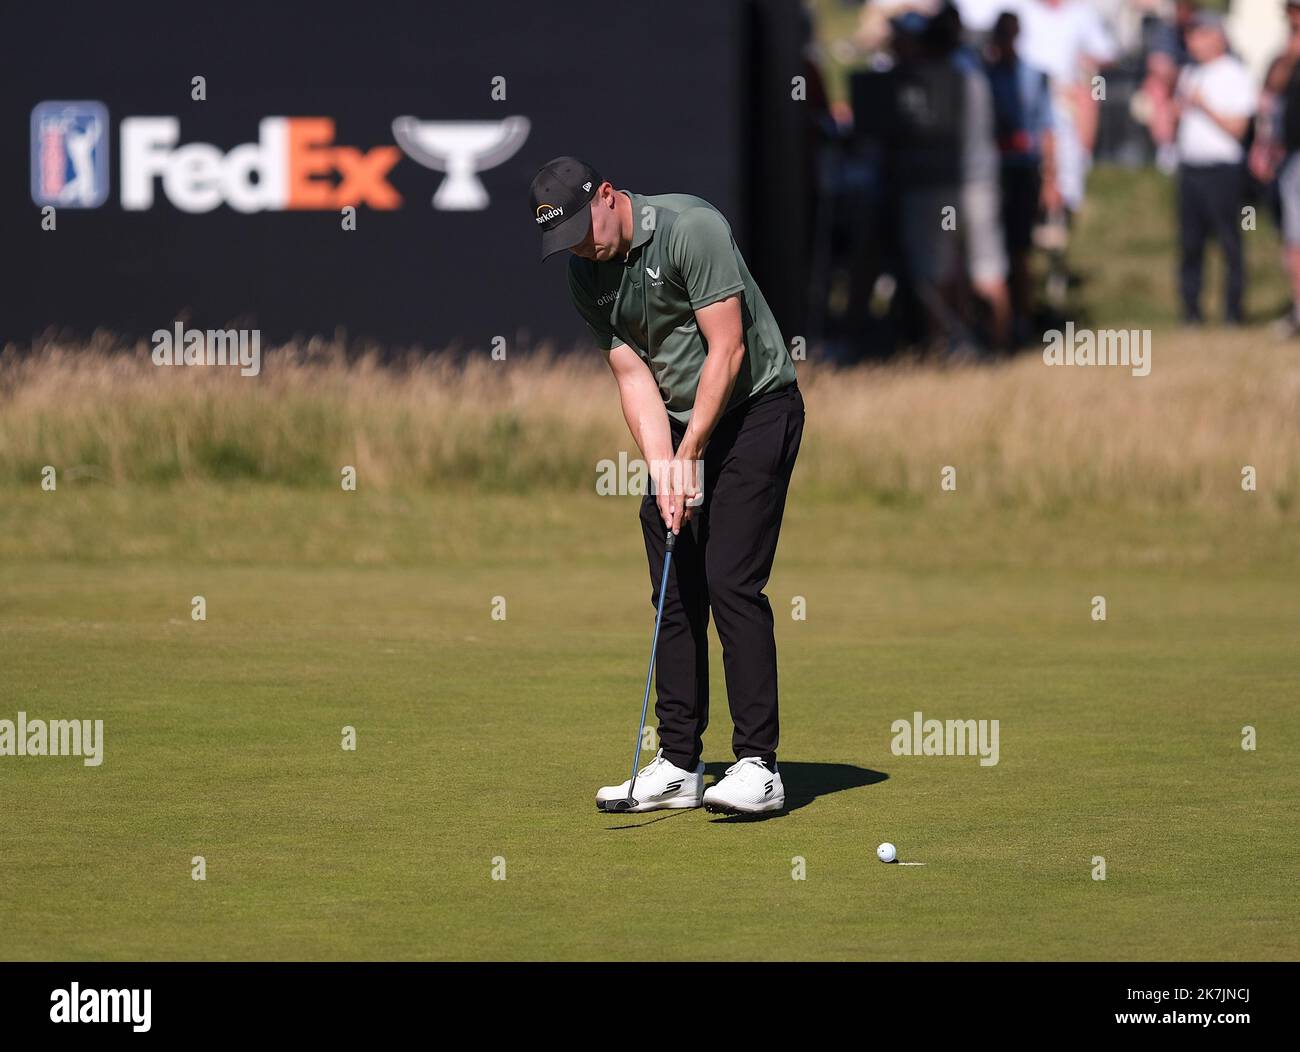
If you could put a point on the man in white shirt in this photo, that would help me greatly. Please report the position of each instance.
(1215, 99)
(1068, 41)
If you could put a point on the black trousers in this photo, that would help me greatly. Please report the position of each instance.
(721, 562)
(1210, 199)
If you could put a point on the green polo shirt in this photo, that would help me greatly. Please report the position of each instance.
(683, 257)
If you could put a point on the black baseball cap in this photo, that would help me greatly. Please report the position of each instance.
(560, 193)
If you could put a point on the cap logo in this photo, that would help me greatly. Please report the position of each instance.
(587, 185)
(545, 213)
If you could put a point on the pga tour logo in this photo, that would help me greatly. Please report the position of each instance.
(70, 154)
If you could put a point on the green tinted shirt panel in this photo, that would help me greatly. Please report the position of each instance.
(595, 303)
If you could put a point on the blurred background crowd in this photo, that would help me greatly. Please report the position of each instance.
(954, 139)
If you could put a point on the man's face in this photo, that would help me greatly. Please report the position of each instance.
(1205, 43)
(603, 239)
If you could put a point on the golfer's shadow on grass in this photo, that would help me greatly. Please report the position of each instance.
(804, 783)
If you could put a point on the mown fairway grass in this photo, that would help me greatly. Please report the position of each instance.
(481, 738)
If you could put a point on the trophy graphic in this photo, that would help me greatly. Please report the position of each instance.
(462, 149)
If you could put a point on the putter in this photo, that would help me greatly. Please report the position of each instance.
(621, 806)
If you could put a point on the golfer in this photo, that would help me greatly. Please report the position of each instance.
(705, 382)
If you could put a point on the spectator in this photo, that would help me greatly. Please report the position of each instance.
(944, 161)
(924, 156)
(1022, 105)
(1164, 63)
(1276, 155)
(981, 193)
(1067, 40)
(1215, 100)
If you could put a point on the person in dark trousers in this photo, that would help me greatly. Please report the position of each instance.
(1275, 157)
(1022, 106)
(708, 390)
(1215, 100)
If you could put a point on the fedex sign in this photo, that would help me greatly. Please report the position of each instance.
(293, 165)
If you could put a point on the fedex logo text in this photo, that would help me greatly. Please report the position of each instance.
(292, 165)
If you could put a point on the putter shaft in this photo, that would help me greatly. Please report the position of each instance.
(649, 676)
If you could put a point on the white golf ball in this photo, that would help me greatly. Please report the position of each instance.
(886, 852)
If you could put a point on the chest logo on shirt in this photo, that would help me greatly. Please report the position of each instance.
(654, 274)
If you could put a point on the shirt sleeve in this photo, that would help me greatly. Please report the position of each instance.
(597, 321)
(700, 247)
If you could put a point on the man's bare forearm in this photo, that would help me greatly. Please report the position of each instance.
(717, 378)
(647, 419)
(1234, 126)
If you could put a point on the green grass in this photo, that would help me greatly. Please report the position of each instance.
(481, 738)
(1124, 254)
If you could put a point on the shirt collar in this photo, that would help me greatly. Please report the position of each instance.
(640, 235)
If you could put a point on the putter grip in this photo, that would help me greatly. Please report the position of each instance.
(672, 540)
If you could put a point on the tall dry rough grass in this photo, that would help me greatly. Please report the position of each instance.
(1019, 432)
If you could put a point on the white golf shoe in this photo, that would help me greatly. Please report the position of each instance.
(747, 788)
(660, 784)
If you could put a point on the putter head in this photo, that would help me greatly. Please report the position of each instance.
(619, 807)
